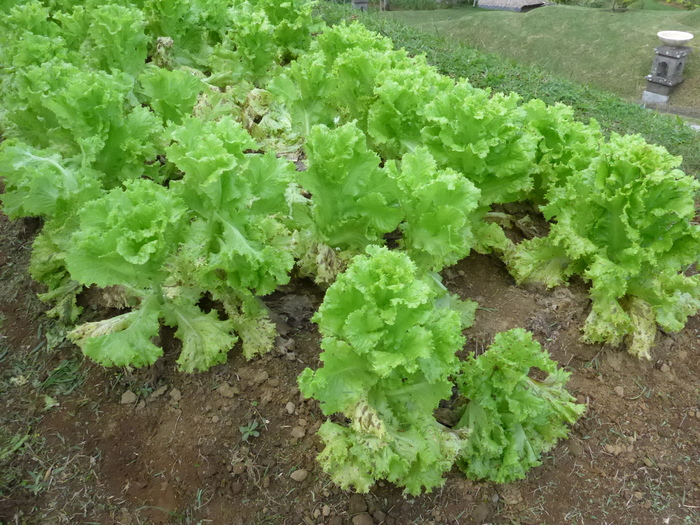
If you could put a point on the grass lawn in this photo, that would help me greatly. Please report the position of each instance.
(612, 51)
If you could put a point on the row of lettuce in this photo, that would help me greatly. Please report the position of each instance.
(206, 149)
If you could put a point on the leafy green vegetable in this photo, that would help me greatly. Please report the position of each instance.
(126, 236)
(389, 346)
(512, 418)
(624, 224)
(353, 201)
(484, 137)
(439, 208)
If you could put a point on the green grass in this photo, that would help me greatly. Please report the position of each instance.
(492, 71)
(611, 51)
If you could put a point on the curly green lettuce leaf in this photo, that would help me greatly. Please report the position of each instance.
(354, 203)
(238, 233)
(41, 183)
(123, 340)
(484, 137)
(126, 236)
(252, 323)
(512, 418)
(115, 38)
(206, 340)
(171, 94)
(415, 457)
(440, 207)
(565, 146)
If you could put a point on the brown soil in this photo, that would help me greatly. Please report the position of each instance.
(176, 453)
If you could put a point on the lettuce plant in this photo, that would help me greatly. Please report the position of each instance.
(389, 344)
(625, 225)
(512, 418)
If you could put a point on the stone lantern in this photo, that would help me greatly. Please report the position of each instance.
(667, 69)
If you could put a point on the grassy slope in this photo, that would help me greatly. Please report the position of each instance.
(494, 72)
(612, 51)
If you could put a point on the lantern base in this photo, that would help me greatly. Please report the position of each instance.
(654, 98)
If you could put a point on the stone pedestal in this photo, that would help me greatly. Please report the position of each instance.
(666, 73)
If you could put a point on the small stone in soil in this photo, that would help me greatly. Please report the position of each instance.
(128, 398)
(665, 368)
(175, 395)
(227, 390)
(620, 391)
(158, 392)
(298, 432)
(357, 504)
(299, 475)
(261, 377)
(481, 512)
(290, 407)
(362, 519)
(326, 510)
(236, 488)
(575, 448)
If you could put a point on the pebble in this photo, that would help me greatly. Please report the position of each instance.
(290, 407)
(274, 382)
(261, 377)
(326, 510)
(215, 419)
(298, 432)
(510, 495)
(379, 516)
(299, 475)
(236, 488)
(615, 450)
(128, 398)
(357, 504)
(481, 512)
(665, 368)
(227, 390)
(638, 495)
(336, 520)
(158, 392)
(575, 448)
(362, 519)
(620, 391)
(175, 395)
(682, 355)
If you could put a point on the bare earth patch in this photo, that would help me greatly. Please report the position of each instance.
(236, 445)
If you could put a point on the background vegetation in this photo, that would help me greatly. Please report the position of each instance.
(490, 70)
(612, 51)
